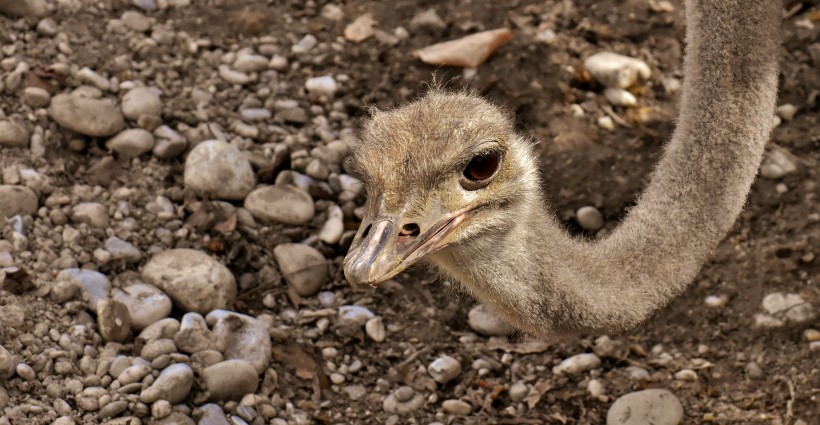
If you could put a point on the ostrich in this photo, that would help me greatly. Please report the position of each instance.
(451, 184)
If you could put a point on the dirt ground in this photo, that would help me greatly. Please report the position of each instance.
(773, 247)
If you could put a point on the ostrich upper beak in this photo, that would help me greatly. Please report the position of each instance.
(380, 250)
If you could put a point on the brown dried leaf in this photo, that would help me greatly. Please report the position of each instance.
(468, 52)
(361, 29)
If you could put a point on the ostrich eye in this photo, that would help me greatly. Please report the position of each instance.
(480, 170)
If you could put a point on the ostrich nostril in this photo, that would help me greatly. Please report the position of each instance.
(366, 231)
(410, 230)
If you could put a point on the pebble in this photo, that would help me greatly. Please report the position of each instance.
(457, 407)
(403, 400)
(132, 143)
(13, 134)
(518, 391)
(786, 111)
(233, 76)
(332, 230)
(355, 392)
(219, 170)
(122, 250)
(791, 307)
(113, 320)
(716, 301)
(229, 380)
(812, 335)
(577, 364)
(754, 371)
(374, 328)
(36, 97)
(595, 388)
(141, 101)
(136, 21)
(620, 97)
(688, 375)
(654, 406)
(444, 369)
(428, 20)
(170, 144)
(249, 62)
(193, 279)
(589, 218)
(212, 414)
(172, 385)
(146, 304)
(134, 373)
(486, 321)
(468, 52)
(84, 115)
(163, 329)
(304, 45)
(607, 123)
(7, 364)
(194, 336)
(304, 268)
(355, 314)
(283, 204)
(94, 285)
(157, 348)
(47, 27)
(614, 70)
(777, 163)
(322, 86)
(91, 213)
(244, 337)
(17, 200)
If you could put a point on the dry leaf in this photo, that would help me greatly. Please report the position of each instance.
(469, 52)
(361, 29)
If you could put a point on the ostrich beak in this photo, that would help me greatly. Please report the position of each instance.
(380, 250)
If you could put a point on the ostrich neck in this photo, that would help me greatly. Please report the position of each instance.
(551, 284)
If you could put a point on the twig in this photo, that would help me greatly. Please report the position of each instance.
(790, 402)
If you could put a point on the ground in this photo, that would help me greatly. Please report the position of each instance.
(772, 248)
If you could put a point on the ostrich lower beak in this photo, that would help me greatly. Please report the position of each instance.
(382, 252)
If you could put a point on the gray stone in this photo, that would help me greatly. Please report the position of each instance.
(244, 337)
(17, 200)
(163, 329)
(194, 280)
(172, 385)
(655, 406)
(304, 268)
(91, 117)
(122, 250)
(229, 380)
(132, 143)
(146, 304)
(141, 101)
(219, 170)
(94, 285)
(589, 218)
(355, 314)
(283, 204)
(212, 414)
(444, 369)
(13, 134)
(486, 321)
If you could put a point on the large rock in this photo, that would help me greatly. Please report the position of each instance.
(17, 200)
(655, 406)
(194, 280)
(91, 117)
(283, 204)
(304, 268)
(219, 170)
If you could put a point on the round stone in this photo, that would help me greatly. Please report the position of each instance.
(444, 369)
(141, 101)
(283, 204)
(304, 268)
(229, 380)
(403, 400)
(193, 280)
(219, 170)
(577, 364)
(589, 218)
(91, 213)
(244, 337)
(17, 200)
(35, 96)
(172, 385)
(132, 143)
(146, 304)
(655, 406)
(88, 116)
(457, 407)
(13, 135)
(487, 322)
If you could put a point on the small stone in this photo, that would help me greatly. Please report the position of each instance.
(716, 301)
(361, 28)
(332, 230)
(403, 400)
(113, 320)
(278, 63)
(229, 380)
(307, 42)
(170, 144)
(620, 97)
(17, 200)
(791, 307)
(811, 335)
(686, 375)
(428, 20)
(577, 364)
(468, 52)
(212, 414)
(777, 163)
(457, 407)
(36, 97)
(654, 406)
(444, 369)
(7, 364)
(294, 115)
(767, 322)
(84, 115)
(94, 285)
(322, 86)
(146, 304)
(614, 70)
(606, 123)
(589, 218)
(283, 204)
(754, 371)
(518, 391)
(13, 135)
(244, 337)
(23, 8)
(163, 329)
(233, 76)
(172, 385)
(355, 392)
(156, 348)
(132, 143)
(193, 280)
(374, 328)
(134, 373)
(122, 250)
(355, 314)
(332, 12)
(91, 213)
(249, 62)
(194, 335)
(486, 321)
(219, 170)
(595, 388)
(141, 101)
(786, 111)
(136, 21)
(304, 268)
(47, 27)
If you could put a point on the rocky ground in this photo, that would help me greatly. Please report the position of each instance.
(176, 211)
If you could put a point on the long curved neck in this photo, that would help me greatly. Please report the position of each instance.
(554, 285)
